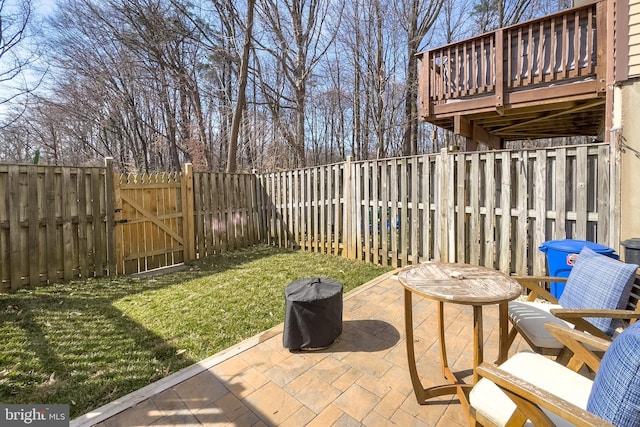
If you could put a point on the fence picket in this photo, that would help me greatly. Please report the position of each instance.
(505, 213)
(83, 269)
(53, 253)
(337, 204)
(560, 195)
(68, 197)
(522, 208)
(449, 209)
(475, 180)
(357, 216)
(460, 218)
(426, 225)
(414, 210)
(403, 238)
(384, 217)
(14, 229)
(374, 182)
(308, 201)
(604, 182)
(581, 191)
(489, 242)
(35, 207)
(540, 207)
(315, 209)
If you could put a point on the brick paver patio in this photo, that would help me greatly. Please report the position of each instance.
(362, 379)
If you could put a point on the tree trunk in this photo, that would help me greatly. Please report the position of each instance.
(410, 145)
(242, 89)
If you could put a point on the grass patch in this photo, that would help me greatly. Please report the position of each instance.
(85, 343)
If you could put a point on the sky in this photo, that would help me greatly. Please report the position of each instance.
(42, 9)
(45, 5)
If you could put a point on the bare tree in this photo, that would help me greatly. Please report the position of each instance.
(16, 56)
(419, 16)
(451, 22)
(154, 83)
(492, 14)
(132, 72)
(299, 36)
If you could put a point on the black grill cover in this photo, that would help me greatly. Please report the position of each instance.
(313, 316)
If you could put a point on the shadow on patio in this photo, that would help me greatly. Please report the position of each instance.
(362, 379)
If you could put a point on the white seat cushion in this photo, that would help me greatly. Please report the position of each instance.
(490, 401)
(531, 317)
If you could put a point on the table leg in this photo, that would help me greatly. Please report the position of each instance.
(503, 339)
(454, 386)
(478, 345)
(443, 347)
(411, 355)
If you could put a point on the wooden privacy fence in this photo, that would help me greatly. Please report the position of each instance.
(59, 223)
(226, 212)
(491, 208)
(54, 223)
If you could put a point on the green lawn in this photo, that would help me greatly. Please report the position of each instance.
(88, 342)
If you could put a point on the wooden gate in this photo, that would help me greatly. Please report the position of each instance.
(153, 220)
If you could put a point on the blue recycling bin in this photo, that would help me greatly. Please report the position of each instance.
(562, 254)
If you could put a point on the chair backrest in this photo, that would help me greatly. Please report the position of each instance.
(597, 281)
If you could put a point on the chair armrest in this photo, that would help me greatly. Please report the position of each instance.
(583, 345)
(573, 313)
(581, 337)
(524, 394)
(535, 284)
(577, 316)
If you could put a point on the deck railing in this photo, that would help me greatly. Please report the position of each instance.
(557, 48)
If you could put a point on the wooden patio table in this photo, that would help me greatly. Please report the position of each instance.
(459, 284)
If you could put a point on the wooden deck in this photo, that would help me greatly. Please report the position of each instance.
(362, 379)
(542, 78)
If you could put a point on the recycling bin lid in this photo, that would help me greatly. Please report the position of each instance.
(574, 246)
(632, 243)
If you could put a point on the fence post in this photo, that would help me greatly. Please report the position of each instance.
(615, 185)
(349, 238)
(188, 228)
(442, 207)
(15, 261)
(110, 221)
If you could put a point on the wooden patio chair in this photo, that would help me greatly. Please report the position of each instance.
(531, 389)
(600, 297)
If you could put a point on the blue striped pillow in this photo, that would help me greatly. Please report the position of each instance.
(597, 281)
(615, 395)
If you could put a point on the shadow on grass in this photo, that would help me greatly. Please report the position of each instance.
(68, 343)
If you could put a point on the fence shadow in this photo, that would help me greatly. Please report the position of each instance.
(72, 343)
